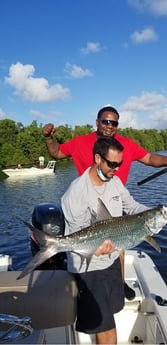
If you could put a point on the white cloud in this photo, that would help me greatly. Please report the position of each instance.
(91, 48)
(77, 72)
(34, 89)
(159, 118)
(145, 35)
(145, 102)
(156, 7)
(38, 114)
(2, 114)
(148, 110)
(127, 119)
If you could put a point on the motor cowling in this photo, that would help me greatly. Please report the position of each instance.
(49, 218)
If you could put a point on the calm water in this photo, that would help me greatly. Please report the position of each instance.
(18, 198)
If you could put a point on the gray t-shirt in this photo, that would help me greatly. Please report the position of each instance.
(80, 207)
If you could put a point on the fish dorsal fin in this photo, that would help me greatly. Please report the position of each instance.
(102, 211)
(153, 243)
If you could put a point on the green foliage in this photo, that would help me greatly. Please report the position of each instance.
(8, 131)
(63, 133)
(6, 154)
(151, 139)
(24, 145)
(164, 138)
(82, 130)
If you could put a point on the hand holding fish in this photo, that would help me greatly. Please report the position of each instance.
(125, 232)
(107, 247)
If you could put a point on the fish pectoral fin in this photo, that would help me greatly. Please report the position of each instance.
(86, 257)
(88, 260)
(153, 243)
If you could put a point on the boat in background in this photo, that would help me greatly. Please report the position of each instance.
(29, 172)
(41, 307)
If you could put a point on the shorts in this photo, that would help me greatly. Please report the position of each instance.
(100, 296)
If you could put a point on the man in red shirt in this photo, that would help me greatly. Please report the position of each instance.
(80, 147)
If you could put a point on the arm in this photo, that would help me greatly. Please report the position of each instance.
(154, 160)
(52, 145)
(75, 207)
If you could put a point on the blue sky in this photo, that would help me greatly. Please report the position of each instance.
(62, 60)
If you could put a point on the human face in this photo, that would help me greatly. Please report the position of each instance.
(107, 129)
(105, 164)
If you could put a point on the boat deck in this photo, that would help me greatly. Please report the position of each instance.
(142, 320)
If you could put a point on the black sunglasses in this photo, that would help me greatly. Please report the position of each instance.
(107, 122)
(112, 165)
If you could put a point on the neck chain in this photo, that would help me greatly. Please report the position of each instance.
(100, 189)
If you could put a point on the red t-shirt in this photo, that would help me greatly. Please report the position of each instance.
(80, 149)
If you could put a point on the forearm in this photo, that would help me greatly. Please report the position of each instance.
(48, 132)
(154, 160)
(157, 160)
(53, 148)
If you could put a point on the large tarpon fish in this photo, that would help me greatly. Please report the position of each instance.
(124, 231)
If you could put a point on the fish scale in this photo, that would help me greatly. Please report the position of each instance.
(120, 234)
(125, 232)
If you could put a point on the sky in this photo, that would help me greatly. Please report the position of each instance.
(63, 60)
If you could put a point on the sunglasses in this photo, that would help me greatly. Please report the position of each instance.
(112, 165)
(107, 122)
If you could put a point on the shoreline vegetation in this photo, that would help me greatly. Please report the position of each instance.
(24, 145)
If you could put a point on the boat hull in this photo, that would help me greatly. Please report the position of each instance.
(29, 172)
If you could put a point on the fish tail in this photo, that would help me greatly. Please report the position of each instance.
(37, 260)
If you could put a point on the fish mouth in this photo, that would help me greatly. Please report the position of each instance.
(155, 224)
(164, 212)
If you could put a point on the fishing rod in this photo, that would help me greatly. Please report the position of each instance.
(151, 177)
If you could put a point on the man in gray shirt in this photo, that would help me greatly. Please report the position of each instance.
(101, 291)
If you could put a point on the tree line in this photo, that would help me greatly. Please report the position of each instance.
(24, 145)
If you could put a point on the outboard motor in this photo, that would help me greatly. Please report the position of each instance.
(49, 218)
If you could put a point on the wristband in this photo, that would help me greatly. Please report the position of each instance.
(47, 138)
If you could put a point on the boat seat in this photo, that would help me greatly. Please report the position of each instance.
(48, 297)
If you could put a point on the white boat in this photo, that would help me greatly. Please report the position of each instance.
(49, 299)
(26, 172)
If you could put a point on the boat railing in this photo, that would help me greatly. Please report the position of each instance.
(13, 328)
(51, 165)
